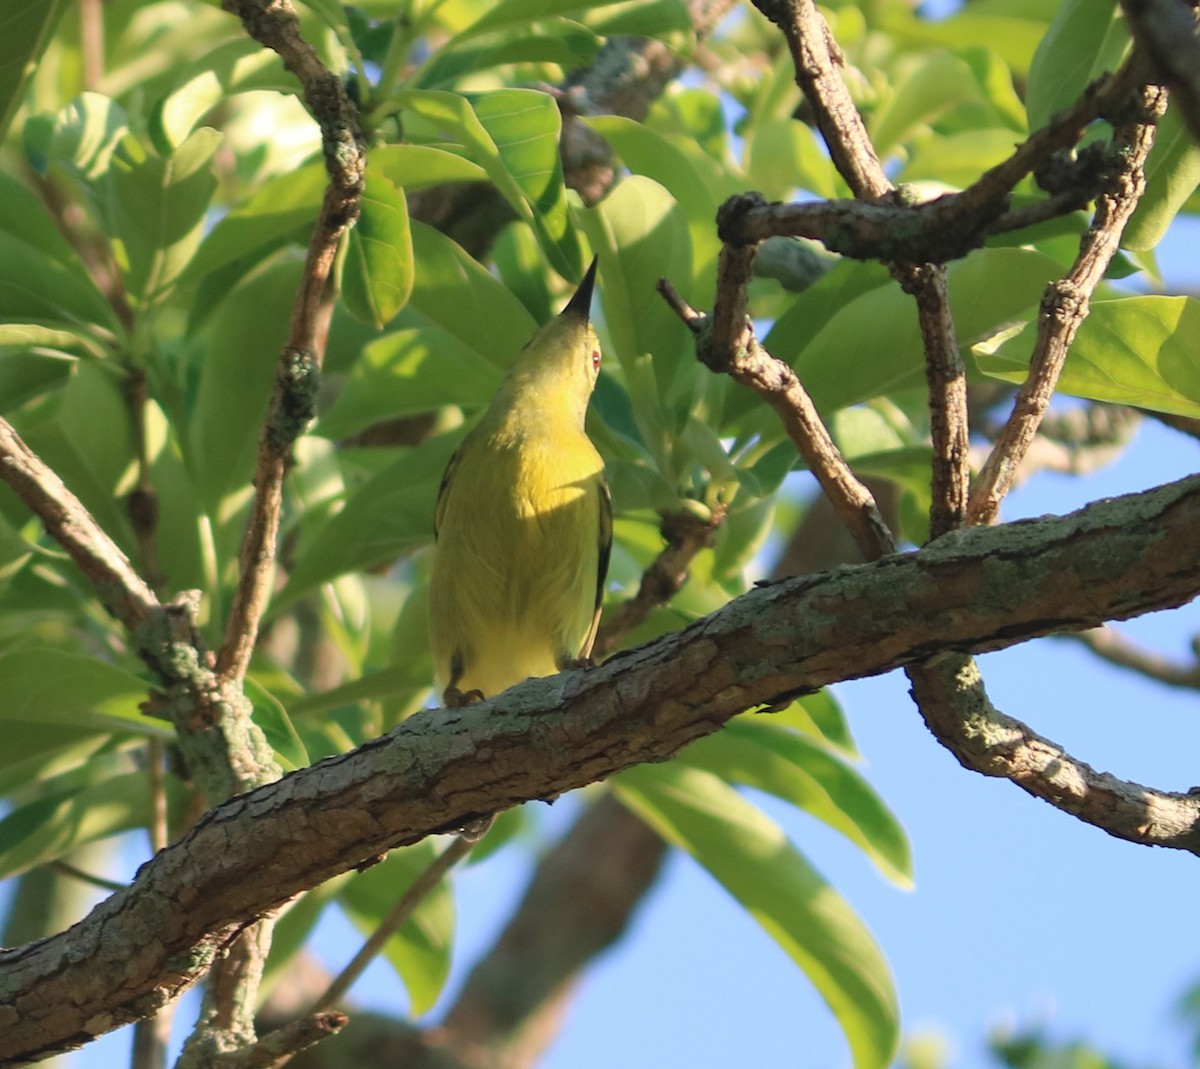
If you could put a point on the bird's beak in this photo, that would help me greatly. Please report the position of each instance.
(581, 304)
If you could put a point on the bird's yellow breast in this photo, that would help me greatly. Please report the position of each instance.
(514, 579)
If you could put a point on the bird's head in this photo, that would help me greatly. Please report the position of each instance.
(562, 360)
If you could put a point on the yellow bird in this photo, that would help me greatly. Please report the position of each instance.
(524, 522)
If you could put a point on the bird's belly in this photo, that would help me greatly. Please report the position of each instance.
(533, 564)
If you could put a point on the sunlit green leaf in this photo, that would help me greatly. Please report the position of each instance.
(235, 67)
(53, 825)
(418, 166)
(463, 298)
(513, 135)
(756, 751)
(750, 856)
(52, 686)
(420, 949)
(27, 26)
(242, 346)
(1085, 39)
(820, 715)
(157, 205)
(1142, 351)
(391, 513)
(283, 207)
(560, 41)
(641, 235)
(1172, 175)
(377, 277)
(651, 155)
(410, 371)
(847, 361)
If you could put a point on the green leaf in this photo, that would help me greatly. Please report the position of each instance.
(1012, 30)
(418, 166)
(377, 277)
(27, 28)
(749, 855)
(783, 155)
(929, 89)
(41, 277)
(157, 206)
(756, 752)
(848, 361)
(513, 135)
(1172, 174)
(1085, 39)
(642, 236)
(234, 67)
(282, 208)
(819, 715)
(410, 371)
(521, 12)
(82, 136)
(1142, 351)
(241, 351)
(276, 725)
(50, 686)
(653, 156)
(420, 949)
(391, 513)
(54, 825)
(667, 20)
(462, 297)
(957, 159)
(564, 42)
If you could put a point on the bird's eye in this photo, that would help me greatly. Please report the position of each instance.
(595, 361)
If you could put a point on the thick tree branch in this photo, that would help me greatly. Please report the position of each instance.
(978, 589)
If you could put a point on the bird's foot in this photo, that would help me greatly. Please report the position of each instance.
(453, 698)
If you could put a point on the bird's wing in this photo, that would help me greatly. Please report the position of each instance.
(605, 533)
(447, 475)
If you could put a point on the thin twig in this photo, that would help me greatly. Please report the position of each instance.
(91, 41)
(293, 398)
(1064, 308)
(278, 1048)
(686, 535)
(395, 919)
(143, 501)
(67, 869)
(946, 380)
(1116, 649)
(122, 591)
(776, 383)
(817, 59)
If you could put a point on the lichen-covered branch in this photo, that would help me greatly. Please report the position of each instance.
(274, 24)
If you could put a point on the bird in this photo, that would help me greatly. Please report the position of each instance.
(523, 524)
